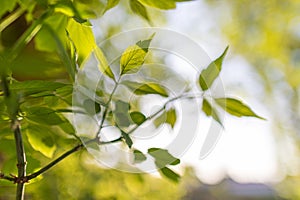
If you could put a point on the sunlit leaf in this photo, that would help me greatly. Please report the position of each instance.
(138, 156)
(83, 39)
(210, 111)
(7, 6)
(163, 157)
(161, 119)
(41, 140)
(208, 75)
(170, 174)
(134, 56)
(137, 117)
(235, 107)
(139, 9)
(166, 4)
(146, 88)
(127, 139)
(67, 8)
(171, 117)
(102, 63)
(110, 4)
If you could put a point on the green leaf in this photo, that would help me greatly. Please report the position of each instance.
(121, 113)
(41, 140)
(171, 117)
(170, 174)
(110, 4)
(65, 93)
(44, 115)
(83, 39)
(165, 5)
(127, 139)
(91, 106)
(137, 117)
(102, 63)
(208, 75)
(138, 156)
(210, 111)
(134, 56)
(33, 87)
(236, 107)
(163, 157)
(67, 8)
(139, 9)
(145, 88)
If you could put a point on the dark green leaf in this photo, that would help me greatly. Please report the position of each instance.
(137, 117)
(121, 113)
(210, 111)
(102, 63)
(41, 140)
(235, 107)
(170, 174)
(138, 156)
(146, 88)
(91, 106)
(163, 157)
(139, 9)
(110, 4)
(127, 139)
(208, 75)
(33, 87)
(44, 115)
(134, 56)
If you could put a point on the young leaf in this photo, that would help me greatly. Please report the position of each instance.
(137, 117)
(162, 157)
(210, 111)
(102, 63)
(41, 140)
(138, 156)
(110, 4)
(127, 139)
(165, 5)
(236, 107)
(146, 88)
(170, 174)
(139, 9)
(134, 56)
(208, 75)
(171, 117)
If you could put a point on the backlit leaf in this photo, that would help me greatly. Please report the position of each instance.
(110, 4)
(139, 9)
(166, 4)
(171, 117)
(235, 107)
(137, 117)
(102, 63)
(208, 75)
(134, 56)
(44, 115)
(41, 140)
(146, 88)
(210, 111)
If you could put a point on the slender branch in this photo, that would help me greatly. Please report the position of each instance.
(21, 158)
(9, 178)
(65, 155)
(11, 18)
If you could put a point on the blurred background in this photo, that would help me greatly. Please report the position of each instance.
(253, 159)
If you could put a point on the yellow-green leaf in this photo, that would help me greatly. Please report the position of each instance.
(236, 107)
(171, 117)
(208, 75)
(146, 88)
(137, 117)
(139, 9)
(210, 111)
(165, 4)
(110, 4)
(103, 64)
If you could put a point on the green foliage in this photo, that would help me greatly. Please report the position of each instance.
(210, 111)
(139, 9)
(146, 88)
(102, 63)
(208, 75)
(137, 117)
